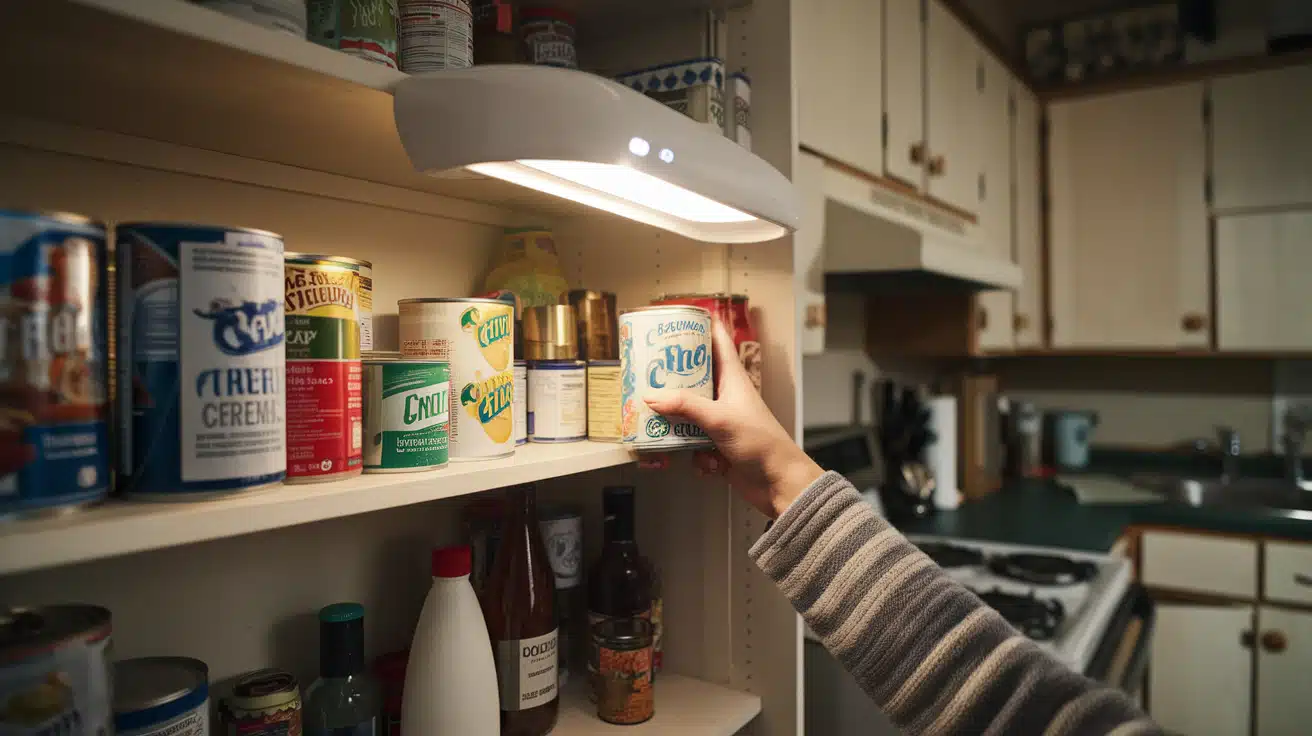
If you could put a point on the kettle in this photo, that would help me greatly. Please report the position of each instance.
(1070, 435)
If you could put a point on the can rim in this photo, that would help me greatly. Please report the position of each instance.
(96, 623)
(405, 361)
(209, 226)
(666, 308)
(456, 299)
(133, 703)
(290, 255)
(72, 218)
(708, 295)
(289, 690)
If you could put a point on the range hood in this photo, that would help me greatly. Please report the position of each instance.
(594, 141)
(873, 239)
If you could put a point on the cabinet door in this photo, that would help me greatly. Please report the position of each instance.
(1128, 249)
(1284, 661)
(1031, 312)
(1200, 674)
(840, 100)
(997, 329)
(1260, 151)
(1262, 267)
(904, 90)
(952, 65)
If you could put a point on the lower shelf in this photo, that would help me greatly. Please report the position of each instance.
(684, 706)
(120, 527)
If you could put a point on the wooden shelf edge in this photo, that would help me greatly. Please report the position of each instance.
(1202, 70)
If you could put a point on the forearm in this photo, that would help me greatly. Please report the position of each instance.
(926, 649)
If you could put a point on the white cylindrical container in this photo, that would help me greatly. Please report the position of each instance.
(557, 401)
(941, 455)
(451, 676)
(521, 402)
(665, 347)
(434, 35)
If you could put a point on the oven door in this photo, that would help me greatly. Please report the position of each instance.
(1122, 655)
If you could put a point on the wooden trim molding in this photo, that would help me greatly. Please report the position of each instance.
(892, 185)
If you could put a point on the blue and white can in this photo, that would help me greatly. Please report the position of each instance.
(54, 440)
(557, 401)
(663, 347)
(161, 696)
(201, 360)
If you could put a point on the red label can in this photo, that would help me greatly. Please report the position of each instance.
(734, 312)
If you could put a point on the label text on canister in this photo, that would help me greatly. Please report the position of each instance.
(526, 671)
(663, 348)
(412, 403)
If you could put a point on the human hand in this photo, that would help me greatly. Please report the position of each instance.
(752, 450)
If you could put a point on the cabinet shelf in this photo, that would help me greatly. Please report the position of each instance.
(121, 527)
(684, 706)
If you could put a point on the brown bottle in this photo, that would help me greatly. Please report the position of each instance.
(517, 605)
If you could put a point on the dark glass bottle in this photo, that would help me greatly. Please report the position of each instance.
(620, 583)
(345, 700)
(518, 607)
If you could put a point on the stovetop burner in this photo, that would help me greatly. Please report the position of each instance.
(950, 555)
(1037, 619)
(1042, 569)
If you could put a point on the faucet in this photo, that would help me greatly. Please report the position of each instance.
(1296, 426)
(1228, 440)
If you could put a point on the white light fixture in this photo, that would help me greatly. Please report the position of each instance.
(587, 139)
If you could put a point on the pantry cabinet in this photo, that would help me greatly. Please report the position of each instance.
(1260, 152)
(1129, 263)
(1284, 659)
(1200, 673)
(904, 91)
(1031, 316)
(952, 92)
(839, 95)
(1262, 267)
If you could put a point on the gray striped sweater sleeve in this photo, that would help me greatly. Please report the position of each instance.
(927, 650)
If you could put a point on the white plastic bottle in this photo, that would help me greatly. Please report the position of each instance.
(451, 680)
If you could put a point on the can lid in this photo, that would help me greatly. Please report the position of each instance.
(298, 256)
(667, 308)
(28, 631)
(129, 226)
(267, 688)
(149, 690)
(452, 562)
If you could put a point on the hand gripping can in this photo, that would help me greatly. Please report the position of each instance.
(667, 347)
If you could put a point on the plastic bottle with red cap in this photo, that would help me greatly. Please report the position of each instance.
(451, 679)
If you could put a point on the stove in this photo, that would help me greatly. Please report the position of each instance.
(1063, 600)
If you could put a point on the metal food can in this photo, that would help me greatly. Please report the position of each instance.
(548, 35)
(434, 35)
(521, 407)
(557, 401)
(263, 703)
(161, 696)
(325, 428)
(407, 415)
(54, 437)
(622, 670)
(734, 313)
(605, 418)
(667, 347)
(363, 29)
(280, 15)
(595, 313)
(201, 361)
(54, 673)
(476, 337)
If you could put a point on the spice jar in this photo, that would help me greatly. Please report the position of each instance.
(548, 36)
(622, 663)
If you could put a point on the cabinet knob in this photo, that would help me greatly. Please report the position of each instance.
(1274, 641)
(1193, 322)
(918, 153)
(1021, 322)
(815, 316)
(938, 165)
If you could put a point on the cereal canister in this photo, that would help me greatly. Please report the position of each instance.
(263, 703)
(622, 663)
(161, 696)
(325, 427)
(476, 337)
(407, 414)
(201, 360)
(667, 347)
(54, 442)
(54, 673)
(363, 28)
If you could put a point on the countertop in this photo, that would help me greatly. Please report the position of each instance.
(1045, 514)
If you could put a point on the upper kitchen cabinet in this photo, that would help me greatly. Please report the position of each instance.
(1262, 263)
(904, 91)
(995, 198)
(1031, 313)
(1129, 265)
(840, 103)
(952, 86)
(1260, 151)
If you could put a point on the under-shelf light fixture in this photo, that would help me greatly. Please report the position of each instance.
(591, 140)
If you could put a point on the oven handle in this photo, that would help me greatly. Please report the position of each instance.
(1135, 604)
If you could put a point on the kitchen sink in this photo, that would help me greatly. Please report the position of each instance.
(1246, 493)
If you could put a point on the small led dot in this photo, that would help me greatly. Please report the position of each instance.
(639, 147)
(667, 155)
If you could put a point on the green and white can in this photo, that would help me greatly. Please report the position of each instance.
(407, 413)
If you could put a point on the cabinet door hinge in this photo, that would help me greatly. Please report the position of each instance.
(1207, 190)
(883, 131)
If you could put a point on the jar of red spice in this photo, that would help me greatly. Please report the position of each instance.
(735, 312)
(390, 671)
(622, 667)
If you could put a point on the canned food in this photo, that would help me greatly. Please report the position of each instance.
(476, 337)
(734, 313)
(324, 397)
(434, 35)
(54, 439)
(595, 312)
(605, 420)
(622, 663)
(161, 696)
(366, 30)
(263, 703)
(54, 675)
(201, 359)
(557, 401)
(667, 347)
(548, 35)
(521, 407)
(407, 415)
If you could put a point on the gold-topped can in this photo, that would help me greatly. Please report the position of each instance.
(598, 331)
(550, 333)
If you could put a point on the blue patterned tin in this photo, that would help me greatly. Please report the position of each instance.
(663, 347)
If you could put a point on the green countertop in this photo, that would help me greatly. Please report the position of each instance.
(1045, 514)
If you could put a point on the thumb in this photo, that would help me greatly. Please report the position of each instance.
(682, 405)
